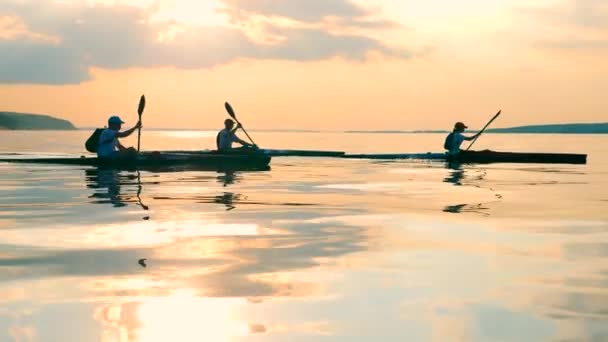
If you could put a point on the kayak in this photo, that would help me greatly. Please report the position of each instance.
(274, 152)
(484, 157)
(161, 161)
(301, 153)
(260, 159)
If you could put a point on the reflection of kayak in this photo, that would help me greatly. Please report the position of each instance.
(162, 161)
(483, 157)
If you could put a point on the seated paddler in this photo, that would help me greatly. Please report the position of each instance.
(455, 139)
(109, 145)
(227, 136)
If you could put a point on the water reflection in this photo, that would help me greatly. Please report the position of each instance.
(181, 316)
(107, 184)
(202, 281)
(478, 208)
(456, 175)
(115, 187)
(228, 178)
(120, 188)
(533, 271)
(227, 199)
(139, 189)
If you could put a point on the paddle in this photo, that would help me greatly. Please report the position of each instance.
(484, 128)
(233, 115)
(139, 188)
(140, 111)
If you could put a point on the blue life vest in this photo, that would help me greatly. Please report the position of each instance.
(447, 144)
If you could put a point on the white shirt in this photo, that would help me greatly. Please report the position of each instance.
(108, 143)
(225, 139)
(457, 139)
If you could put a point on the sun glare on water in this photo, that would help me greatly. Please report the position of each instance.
(183, 317)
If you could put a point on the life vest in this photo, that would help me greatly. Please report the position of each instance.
(447, 144)
(92, 144)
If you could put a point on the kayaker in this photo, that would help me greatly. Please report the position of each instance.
(227, 136)
(454, 140)
(109, 146)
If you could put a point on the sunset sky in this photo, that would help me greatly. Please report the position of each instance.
(307, 64)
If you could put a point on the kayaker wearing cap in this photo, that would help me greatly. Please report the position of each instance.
(109, 146)
(227, 136)
(454, 140)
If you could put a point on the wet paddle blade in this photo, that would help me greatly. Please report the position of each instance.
(142, 105)
(230, 110)
(140, 111)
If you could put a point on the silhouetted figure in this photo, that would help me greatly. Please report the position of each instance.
(454, 140)
(227, 136)
(109, 146)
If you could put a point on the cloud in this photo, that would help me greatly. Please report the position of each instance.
(12, 27)
(574, 43)
(575, 24)
(337, 16)
(591, 14)
(58, 43)
(301, 10)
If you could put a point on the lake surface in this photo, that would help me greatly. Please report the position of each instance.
(316, 249)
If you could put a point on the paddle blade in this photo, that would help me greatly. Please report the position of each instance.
(497, 114)
(142, 105)
(230, 110)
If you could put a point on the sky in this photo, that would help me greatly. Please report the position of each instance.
(307, 64)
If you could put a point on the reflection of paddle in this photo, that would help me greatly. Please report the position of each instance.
(483, 129)
(140, 111)
(139, 188)
(233, 115)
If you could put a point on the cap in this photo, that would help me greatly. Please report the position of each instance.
(460, 125)
(114, 120)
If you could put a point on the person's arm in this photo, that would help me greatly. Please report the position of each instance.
(241, 141)
(120, 146)
(129, 131)
(472, 137)
(237, 139)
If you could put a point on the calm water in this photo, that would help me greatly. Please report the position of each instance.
(313, 250)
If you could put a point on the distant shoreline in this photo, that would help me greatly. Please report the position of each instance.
(13, 121)
(574, 128)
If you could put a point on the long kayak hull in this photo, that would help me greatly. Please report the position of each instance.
(161, 161)
(274, 152)
(260, 160)
(484, 157)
